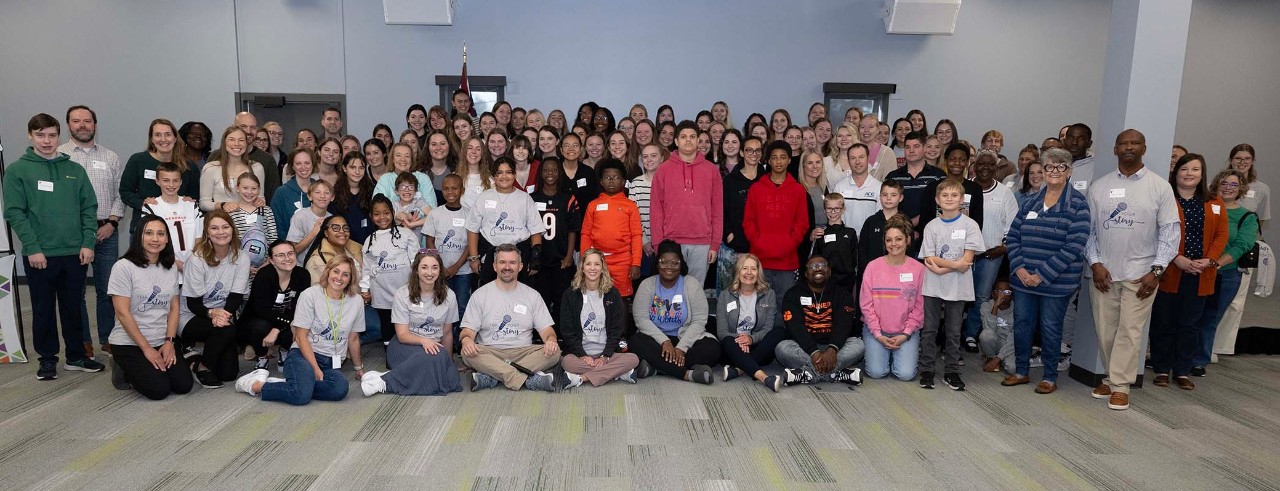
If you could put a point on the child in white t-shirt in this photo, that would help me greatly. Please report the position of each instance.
(182, 215)
(947, 249)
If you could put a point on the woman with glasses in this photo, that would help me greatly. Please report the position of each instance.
(1257, 199)
(1242, 233)
(272, 299)
(1045, 245)
(335, 240)
(670, 312)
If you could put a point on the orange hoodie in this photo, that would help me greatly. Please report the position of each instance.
(612, 224)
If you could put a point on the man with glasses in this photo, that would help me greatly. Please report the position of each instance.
(275, 145)
(776, 220)
(822, 347)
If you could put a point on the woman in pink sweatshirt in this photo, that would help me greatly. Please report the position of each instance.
(893, 306)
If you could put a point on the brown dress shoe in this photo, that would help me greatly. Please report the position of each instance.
(1046, 387)
(1184, 382)
(1161, 380)
(993, 365)
(1118, 401)
(1013, 380)
(1102, 391)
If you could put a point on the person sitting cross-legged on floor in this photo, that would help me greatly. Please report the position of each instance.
(592, 321)
(744, 323)
(820, 319)
(670, 311)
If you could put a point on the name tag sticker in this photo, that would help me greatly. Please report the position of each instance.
(1009, 184)
(906, 277)
(829, 238)
(1031, 215)
(602, 207)
(337, 361)
(731, 306)
(848, 194)
(149, 174)
(1251, 194)
(968, 198)
(490, 204)
(677, 299)
(459, 222)
(958, 234)
(1217, 209)
(46, 186)
(582, 182)
(251, 218)
(279, 298)
(540, 206)
(806, 300)
(1080, 185)
(1117, 193)
(531, 188)
(364, 222)
(520, 309)
(98, 164)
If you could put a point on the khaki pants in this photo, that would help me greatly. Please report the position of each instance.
(1120, 316)
(613, 367)
(1224, 342)
(493, 362)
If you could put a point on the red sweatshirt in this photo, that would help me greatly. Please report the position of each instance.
(775, 221)
(685, 202)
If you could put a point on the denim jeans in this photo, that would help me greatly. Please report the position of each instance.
(105, 255)
(372, 326)
(791, 355)
(984, 278)
(1224, 291)
(1175, 323)
(58, 288)
(300, 385)
(461, 286)
(1031, 312)
(902, 360)
(779, 281)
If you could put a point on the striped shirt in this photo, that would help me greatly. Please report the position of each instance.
(1050, 243)
(639, 193)
(104, 169)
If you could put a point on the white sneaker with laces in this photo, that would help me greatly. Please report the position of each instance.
(572, 380)
(371, 383)
(245, 382)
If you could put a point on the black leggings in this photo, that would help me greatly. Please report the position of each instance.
(388, 330)
(253, 330)
(219, 346)
(151, 383)
(761, 353)
(703, 352)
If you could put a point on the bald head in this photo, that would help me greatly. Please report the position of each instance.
(1131, 145)
(248, 124)
(1131, 133)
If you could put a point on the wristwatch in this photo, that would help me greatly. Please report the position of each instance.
(1158, 271)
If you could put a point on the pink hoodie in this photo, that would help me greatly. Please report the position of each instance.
(685, 203)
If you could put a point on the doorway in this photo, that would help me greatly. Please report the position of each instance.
(293, 111)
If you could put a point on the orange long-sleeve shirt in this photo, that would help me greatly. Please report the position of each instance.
(612, 224)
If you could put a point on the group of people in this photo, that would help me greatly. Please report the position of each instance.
(515, 243)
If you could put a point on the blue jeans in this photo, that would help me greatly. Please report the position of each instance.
(1031, 312)
(984, 279)
(372, 326)
(1225, 288)
(902, 360)
(301, 387)
(58, 288)
(105, 255)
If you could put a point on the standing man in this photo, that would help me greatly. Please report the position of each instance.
(860, 190)
(104, 169)
(270, 172)
(497, 331)
(685, 203)
(916, 176)
(331, 121)
(776, 219)
(1078, 141)
(50, 205)
(1135, 235)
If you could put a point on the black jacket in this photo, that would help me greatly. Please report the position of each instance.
(735, 202)
(827, 321)
(571, 322)
(840, 253)
(265, 289)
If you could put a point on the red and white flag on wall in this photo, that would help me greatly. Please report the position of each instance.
(464, 86)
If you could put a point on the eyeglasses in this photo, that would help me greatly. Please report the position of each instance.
(752, 150)
(816, 266)
(1229, 185)
(611, 178)
(285, 255)
(834, 209)
(406, 187)
(339, 228)
(1055, 168)
(1239, 160)
(1005, 292)
(669, 262)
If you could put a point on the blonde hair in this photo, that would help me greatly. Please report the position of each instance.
(333, 263)
(736, 285)
(821, 182)
(580, 278)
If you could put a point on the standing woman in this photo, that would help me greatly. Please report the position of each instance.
(503, 215)
(144, 292)
(409, 137)
(639, 112)
(602, 121)
(383, 133)
(1029, 186)
(592, 321)
(585, 113)
(620, 148)
(1242, 228)
(1258, 200)
(1184, 288)
(628, 127)
(462, 130)
(933, 151)
(900, 129)
(535, 120)
(416, 119)
(836, 163)
(218, 178)
(423, 312)
(779, 121)
(292, 195)
(556, 120)
(729, 151)
(822, 131)
(666, 114)
(526, 169)
(753, 119)
(330, 158)
(1045, 245)
(502, 114)
(327, 324)
(475, 174)
(577, 178)
(437, 119)
(667, 135)
(349, 144)
(736, 185)
(644, 133)
(138, 181)
(497, 144)
(917, 120)
(214, 284)
(439, 161)
(594, 150)
(273, 298)
(375, 155)
(720, 114)
(892, 306)
(651, 156)
(402, 162)
(815, 184)
(670, 311)
(353, 196)
(945, 130)
(197, 137)
(548, 141)
(744, 323)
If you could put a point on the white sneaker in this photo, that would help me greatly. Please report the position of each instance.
(1064, 363)
(572, 380)
(629, 377)
(245, 382)
(371, 383)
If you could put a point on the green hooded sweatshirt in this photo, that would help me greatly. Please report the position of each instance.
(50, 205)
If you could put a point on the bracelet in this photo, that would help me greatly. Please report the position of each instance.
(473, 258)
(358, 367)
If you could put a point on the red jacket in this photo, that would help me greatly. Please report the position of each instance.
(776, 220)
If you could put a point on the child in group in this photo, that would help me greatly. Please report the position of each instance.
(388, 252)
(182, 215)
(256, 224)
(611, 223)
(837, 243)
(949, 245)
(871, 237)
(445, 230)
(304, 227)
(560, 211)
(411, 209)
(996, 337)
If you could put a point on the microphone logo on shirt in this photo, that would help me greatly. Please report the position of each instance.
(1120, 218)
(152, 300)
(590, 325)
(216, 294)
(500, 227)
(330, 331)
(502, 327)
(742, 324)
(428, 326)
(448, 235)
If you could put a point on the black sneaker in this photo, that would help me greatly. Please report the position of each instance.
(263, 363)
(971, 344)
(85, 365)
(208, 380)
(730, 372)
(851, 376)
(700, 374)
(644, 370)
(794, 376)
(1198, 372)
(117, 377)
(953, 381)
(926, 380)
(773, 382)
(48, 370)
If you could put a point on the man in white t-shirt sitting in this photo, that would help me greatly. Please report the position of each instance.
(497, 331)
